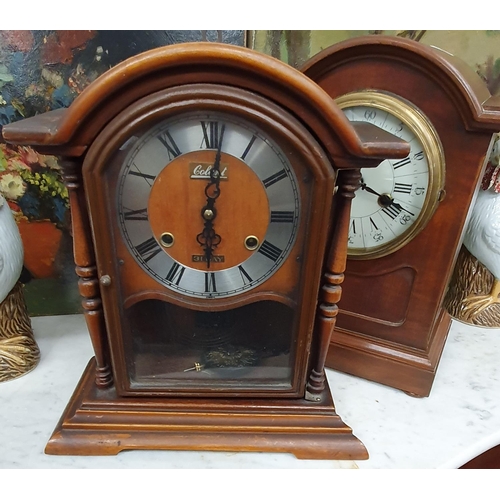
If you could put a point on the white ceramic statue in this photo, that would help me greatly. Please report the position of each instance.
(19, 352)
(11, 250)
(474, 292)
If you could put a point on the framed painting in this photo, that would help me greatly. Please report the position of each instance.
(42, 71)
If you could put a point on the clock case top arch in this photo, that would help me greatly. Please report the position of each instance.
(478, 109)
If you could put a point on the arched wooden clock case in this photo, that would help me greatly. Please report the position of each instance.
(201, 181)
(392, 326)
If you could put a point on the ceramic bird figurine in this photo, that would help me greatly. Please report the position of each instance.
(19, 352)
(482, 236)
(11, 250)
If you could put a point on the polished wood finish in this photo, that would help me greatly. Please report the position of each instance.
(86, 270)
(331, 291)
(392, 327)
(106, 414)
(294, 283)
(99, 422)
(233, 207)
(489, 459)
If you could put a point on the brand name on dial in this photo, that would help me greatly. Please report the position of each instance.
(202, 170)
(203, 258)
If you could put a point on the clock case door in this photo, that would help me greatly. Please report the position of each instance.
(155, 332)
(97, 419)
(392, 326)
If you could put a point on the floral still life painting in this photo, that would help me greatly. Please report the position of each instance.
(33, 188)
(42, 70)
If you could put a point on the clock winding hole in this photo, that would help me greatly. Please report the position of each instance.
(251, 242)
(167, 240)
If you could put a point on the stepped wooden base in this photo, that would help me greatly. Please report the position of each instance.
(98, 422)
(389, 363)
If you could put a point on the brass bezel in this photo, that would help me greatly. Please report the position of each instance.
(423, 129)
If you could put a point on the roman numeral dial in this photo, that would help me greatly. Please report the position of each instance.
(162, 205)
(140, 214)
(397, 198)
(170, 145)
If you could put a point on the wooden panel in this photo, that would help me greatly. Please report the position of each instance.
(393, 317)
(362, 297)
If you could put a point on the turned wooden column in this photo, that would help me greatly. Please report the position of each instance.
(86, 269)
(348, 182)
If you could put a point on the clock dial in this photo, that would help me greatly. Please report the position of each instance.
(397, 199)
(208, 205)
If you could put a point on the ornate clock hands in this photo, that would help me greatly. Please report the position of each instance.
(208, 238)
(385, 200)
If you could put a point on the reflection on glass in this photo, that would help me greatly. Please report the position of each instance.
(173, 347)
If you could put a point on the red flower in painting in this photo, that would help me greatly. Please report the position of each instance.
(28, 156)
(33, 182)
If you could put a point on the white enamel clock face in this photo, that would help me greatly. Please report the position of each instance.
(397, 198)
(197, 234)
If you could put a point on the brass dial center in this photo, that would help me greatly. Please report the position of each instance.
(208, 214)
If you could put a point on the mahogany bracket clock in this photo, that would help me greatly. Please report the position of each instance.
(201, 180)
(409, 214)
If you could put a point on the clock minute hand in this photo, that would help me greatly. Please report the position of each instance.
(208, 238)
(215, 171)
(398, 206)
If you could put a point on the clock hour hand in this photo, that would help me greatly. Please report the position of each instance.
(208, 238)
(399, 207)
(215, 171)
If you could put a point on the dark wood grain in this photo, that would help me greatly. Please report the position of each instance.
(391, 327)
(330, 293)
(99, 422)
(489, 459)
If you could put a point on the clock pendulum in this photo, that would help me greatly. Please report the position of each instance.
(201, 179)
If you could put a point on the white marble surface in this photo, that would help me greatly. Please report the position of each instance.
(459, 420)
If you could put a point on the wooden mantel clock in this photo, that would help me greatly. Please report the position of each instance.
(201, 180)
(407, 219)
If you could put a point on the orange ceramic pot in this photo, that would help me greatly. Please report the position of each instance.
(41, 240)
